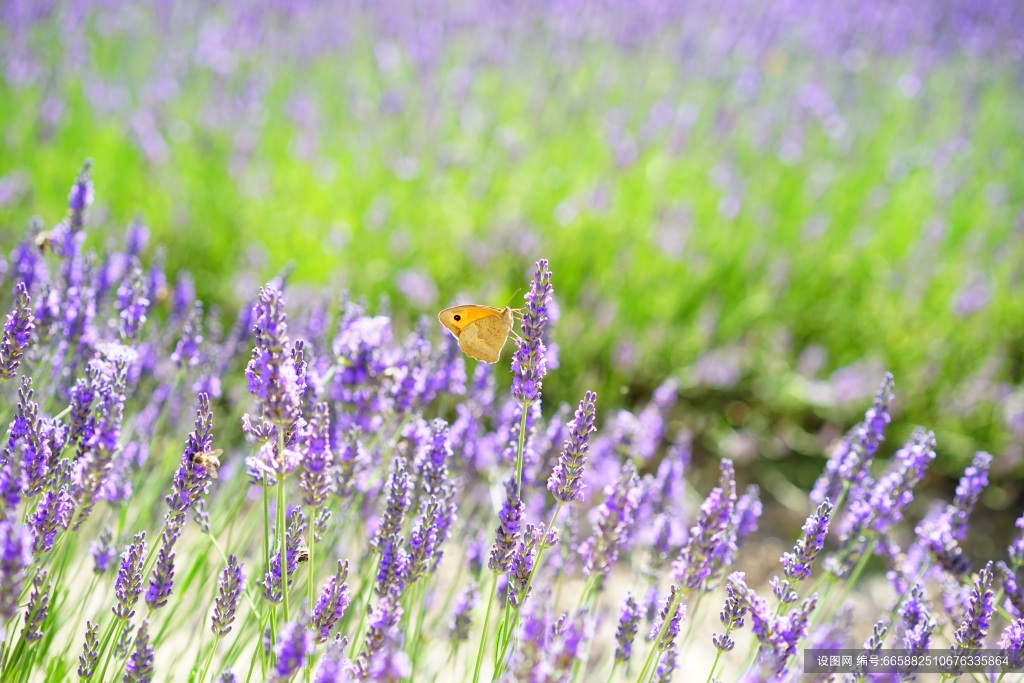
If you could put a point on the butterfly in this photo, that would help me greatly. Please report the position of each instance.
(480, 330)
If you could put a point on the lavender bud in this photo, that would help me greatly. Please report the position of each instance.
(462, 614)
(507, 534)
(971, 633)
(90, 651)
(528, 364)
(186, 353)
(334, 601)
(294, 647)
(139, 667)
(273, 378)
(229, 590)
(797, 564)
(128, 585)
(566, 480)
(103, 551)
(629, 624)
(17, 333)
(38, 607)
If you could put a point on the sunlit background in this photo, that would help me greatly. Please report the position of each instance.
(772, 203)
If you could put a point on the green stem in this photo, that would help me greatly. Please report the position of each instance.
(506, 640)
(209, 661)
(483, 629)
(519, 451)
(670, 614)
(282, 522)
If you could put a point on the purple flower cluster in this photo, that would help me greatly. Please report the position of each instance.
(17, 332)
(566, 480)
(528, 363)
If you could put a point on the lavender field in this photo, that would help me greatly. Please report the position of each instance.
(765, 394)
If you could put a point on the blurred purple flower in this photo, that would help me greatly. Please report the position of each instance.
(614, 526)
(17, 333)
(528, 366)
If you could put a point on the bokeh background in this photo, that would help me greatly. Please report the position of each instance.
(771, 203)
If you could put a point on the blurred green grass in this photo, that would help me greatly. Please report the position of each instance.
(703, 236)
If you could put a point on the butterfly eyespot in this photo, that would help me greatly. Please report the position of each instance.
(457, 318)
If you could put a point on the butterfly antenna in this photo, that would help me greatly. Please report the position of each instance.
(512, 297)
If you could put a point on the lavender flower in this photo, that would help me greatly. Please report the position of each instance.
(522, 566)
(162, 579)
(334, 601)
(507, 534)
(38, 607)
(712, 538)
(15, 557)
(103, 551)
(748, 512)
(334, 667)
(569, 638)
(132, 302)
(272, 580)
(671, 601)
(128, 585)
(295, 645)
(271, 372)
(566, 481)
(968, 491)
(315, 476)
(17, 333)
(90, 651)
(528, 364)
(1012, 642)
(916, 622)
(797, 564)
(462, 613)
(733, 611)
(971, 633)
(393, 571)
(614, 526)
(53, 512)
(186, 353)
(629, 624)
(382, 635)
(398, 503)
(229, 590)
(139, 667)
(850, 462)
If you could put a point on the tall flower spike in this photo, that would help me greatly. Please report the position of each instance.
(15, 557)
(139, 667)
(733, 611)
(132, 302)
(229, 590)
(128, 585)
(294, 647)
(615, 520)
(317, 460)
(90, 651)
(271, 372)
(971, 633)
(332, 605)
(713, 538)
(186, 353)
(797, 564)
(629, 624)
(566, 480)
(17, 333)
(462, 613)
(397, 504)
(38, 607)
(528, 363)
(507, 534)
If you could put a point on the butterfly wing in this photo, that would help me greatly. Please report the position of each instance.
(457, 318)
(484, 338)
